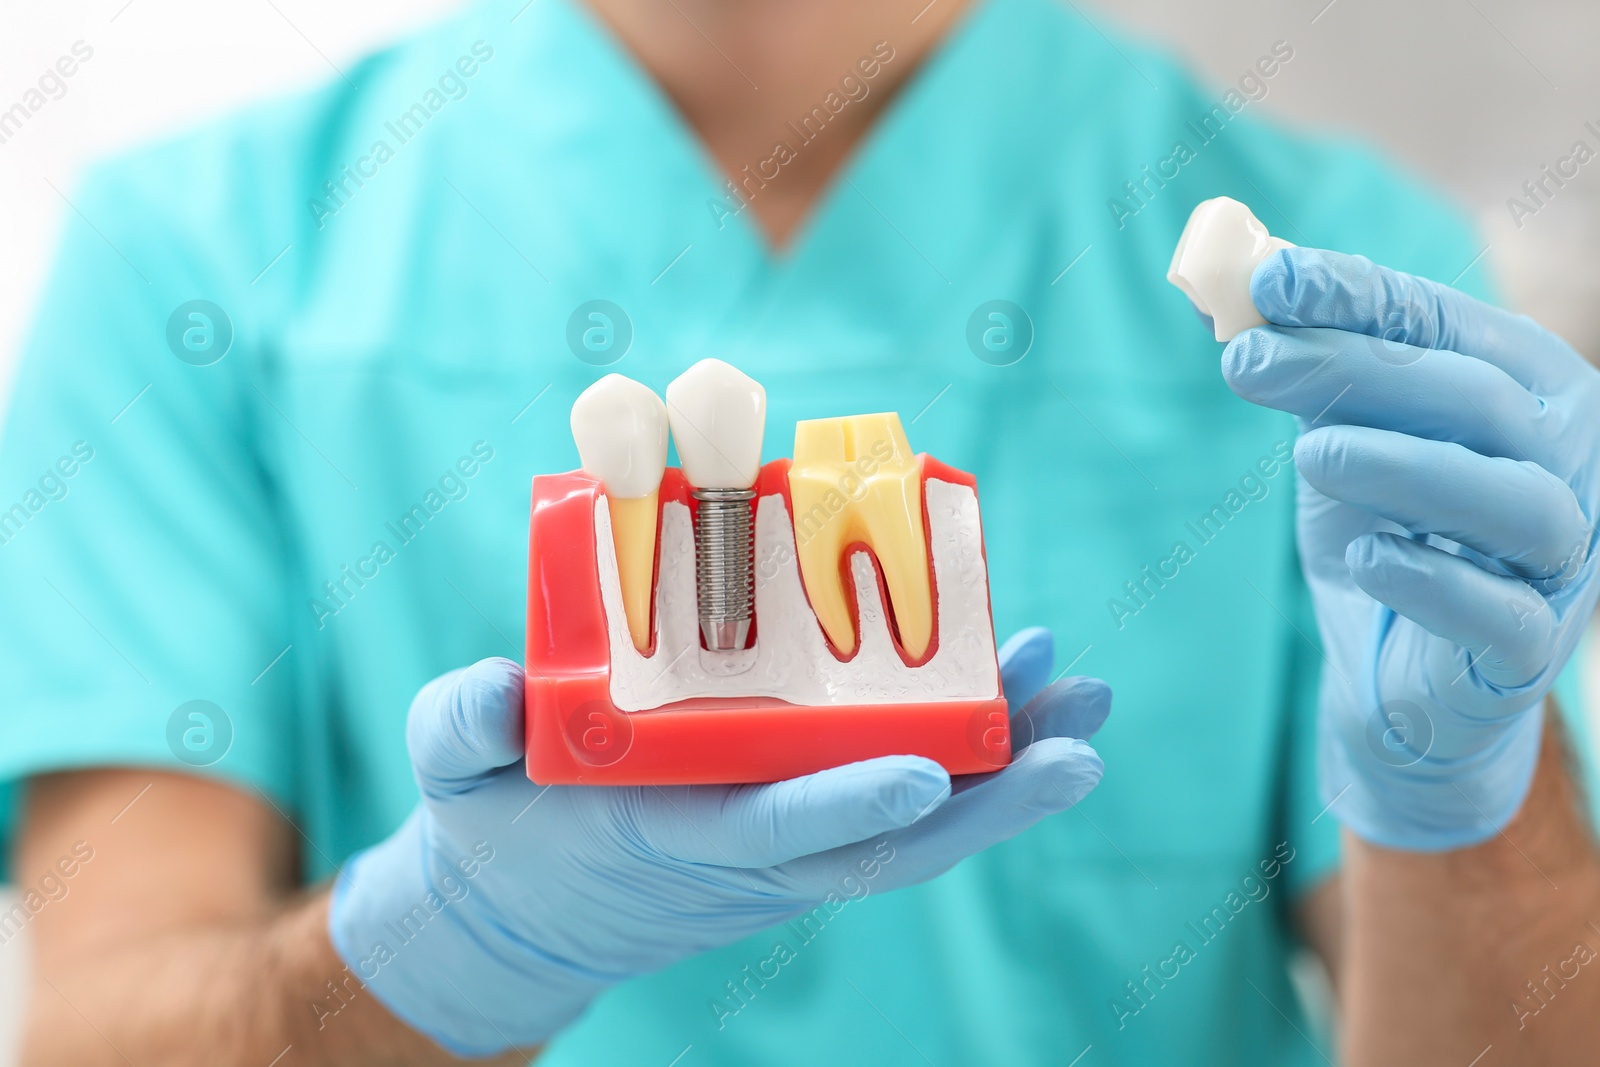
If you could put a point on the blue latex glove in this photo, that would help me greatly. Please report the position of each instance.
(1448, 486)
(544, 896)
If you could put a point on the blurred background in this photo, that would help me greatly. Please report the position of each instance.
(1478, 96)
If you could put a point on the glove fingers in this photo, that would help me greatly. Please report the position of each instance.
(1511, 511)
(1026, 660)
(1506, 628)
(466, 724)
(764, 825)
(1329, 376)
(1317, 288)
(1051, 776)
(1072, 707)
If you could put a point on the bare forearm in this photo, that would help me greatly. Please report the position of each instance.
(1498, 945)
(269, 992)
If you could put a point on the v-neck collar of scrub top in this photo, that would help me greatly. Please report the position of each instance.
(910, 208)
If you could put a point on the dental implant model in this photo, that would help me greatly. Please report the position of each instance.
(1220, 248)
(718, 415)
(620, 428)
(733, 621)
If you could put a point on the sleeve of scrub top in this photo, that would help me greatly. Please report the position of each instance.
(142, 566)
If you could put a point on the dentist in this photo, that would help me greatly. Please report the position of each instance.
(280, 792)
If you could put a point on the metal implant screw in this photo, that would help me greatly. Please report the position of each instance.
(724, 551)
(717, 414)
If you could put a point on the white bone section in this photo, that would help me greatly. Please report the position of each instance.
(790, 659)
(1221, 246)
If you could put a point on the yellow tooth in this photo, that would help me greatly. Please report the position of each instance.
(633, 530)
(856, 479)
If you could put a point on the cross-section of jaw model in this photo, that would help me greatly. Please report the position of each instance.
(739, 622)
(1221, 246)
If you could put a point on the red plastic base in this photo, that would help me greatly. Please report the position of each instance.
(577, 736)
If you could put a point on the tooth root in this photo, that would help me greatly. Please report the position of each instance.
(893, 514)
(856, 479)
(633, 531)
(821, 525)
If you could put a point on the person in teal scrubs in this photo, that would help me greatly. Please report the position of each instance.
(271, 444)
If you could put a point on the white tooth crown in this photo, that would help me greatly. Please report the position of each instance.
(1221, 246)
(718, 415)
(620, 427)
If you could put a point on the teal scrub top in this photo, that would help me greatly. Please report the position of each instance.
(302, 515)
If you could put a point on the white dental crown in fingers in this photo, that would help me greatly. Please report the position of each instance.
(1220, 248)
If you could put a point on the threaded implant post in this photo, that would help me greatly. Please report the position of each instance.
(724, 553)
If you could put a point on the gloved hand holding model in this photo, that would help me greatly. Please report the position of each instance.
(587, 886)
(1448, 486)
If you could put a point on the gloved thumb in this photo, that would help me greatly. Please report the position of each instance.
(465, 724)
(764, 825)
